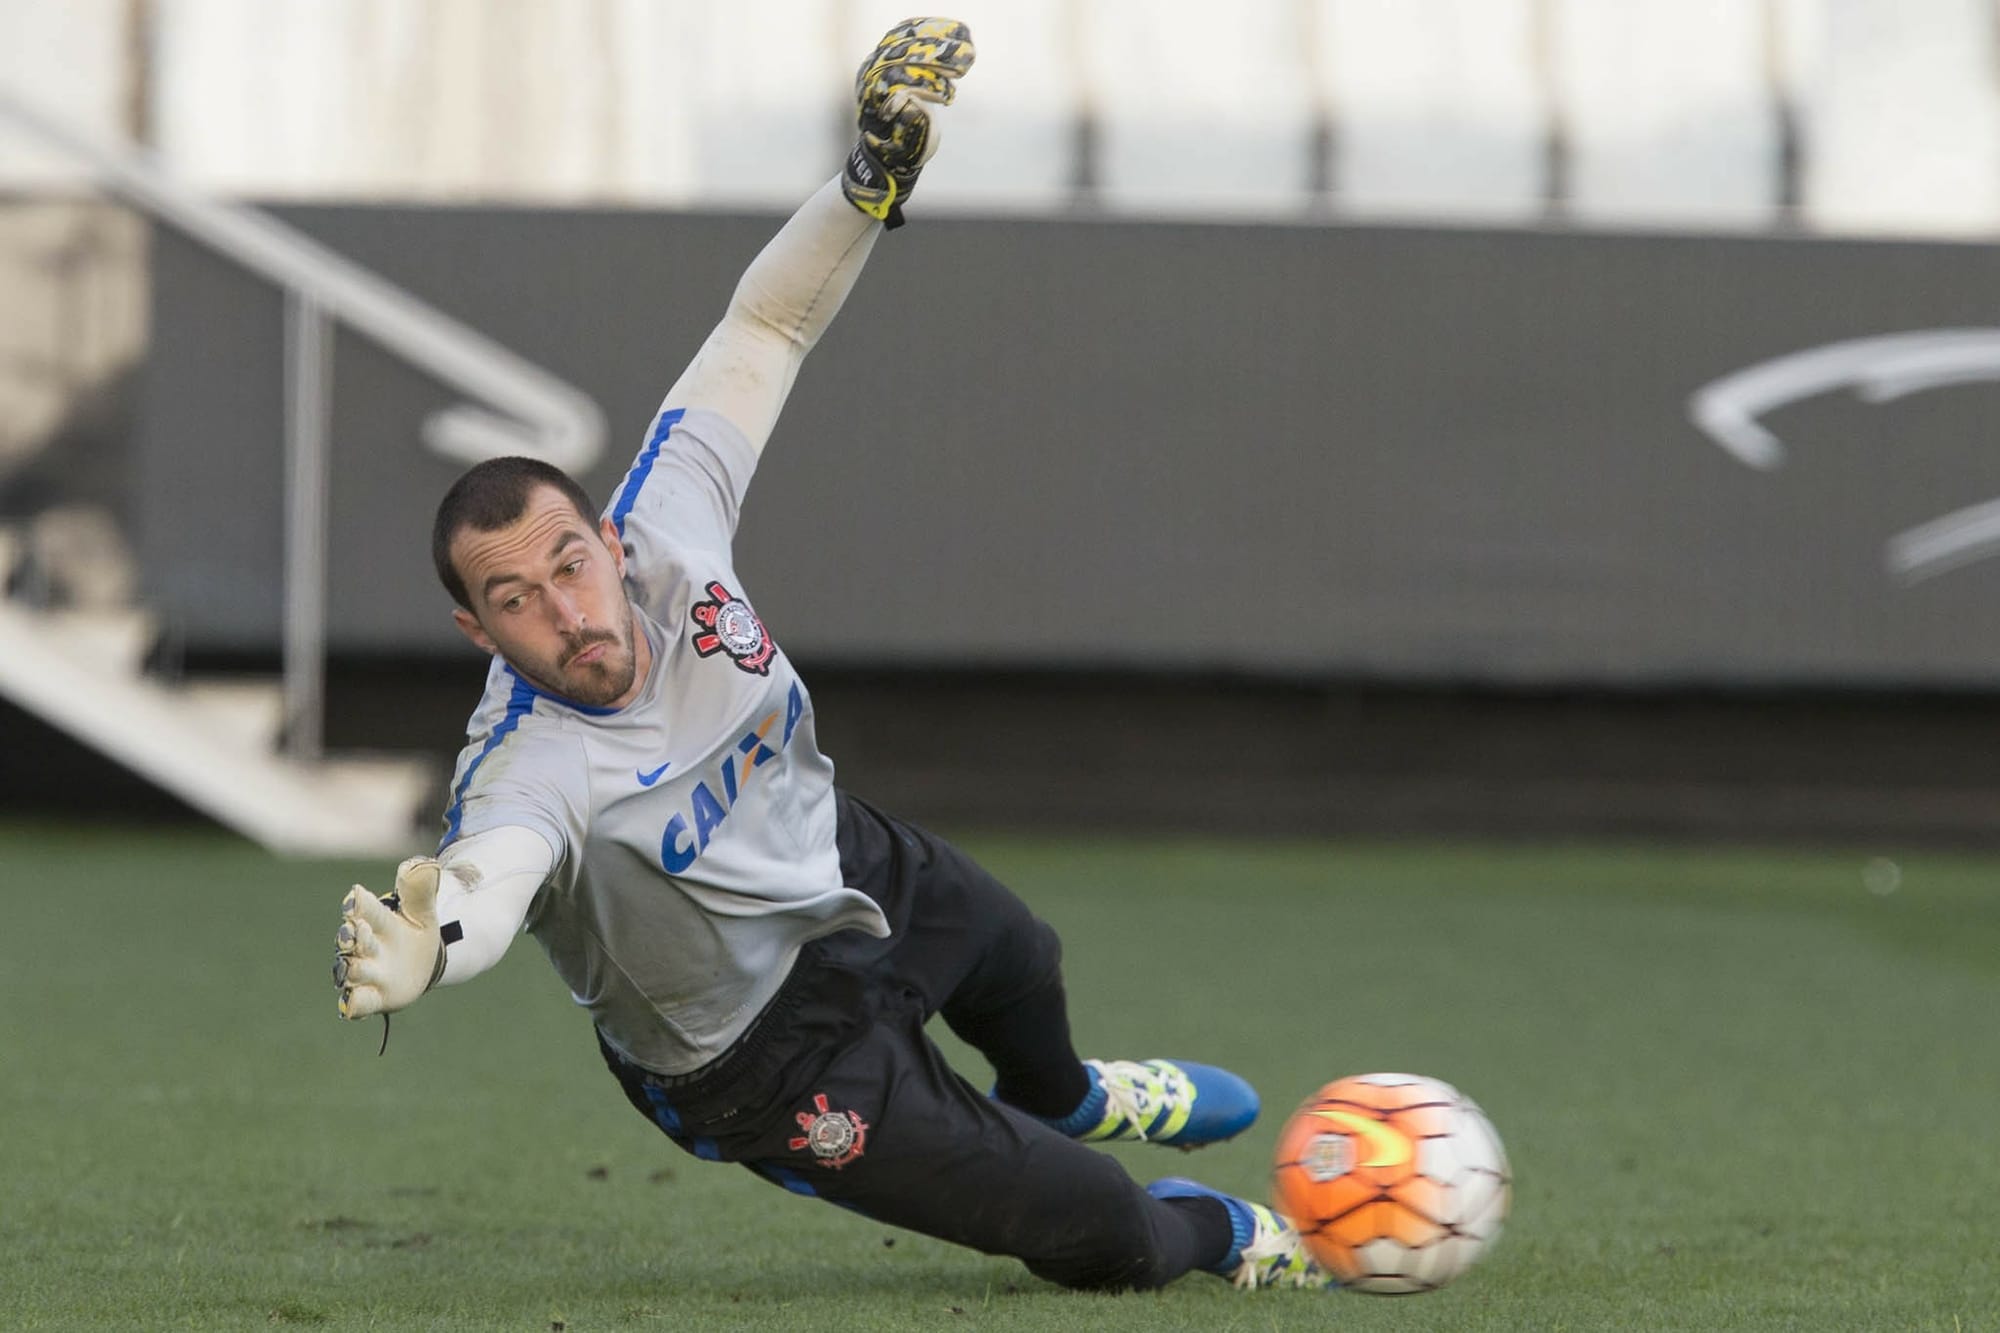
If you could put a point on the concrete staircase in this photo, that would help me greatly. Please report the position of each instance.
(217, 747)
(213, 744)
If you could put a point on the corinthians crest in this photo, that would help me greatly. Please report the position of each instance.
(728, 625)
(835, 1137)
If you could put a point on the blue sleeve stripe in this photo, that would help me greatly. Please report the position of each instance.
(642, 467)
(518, 705)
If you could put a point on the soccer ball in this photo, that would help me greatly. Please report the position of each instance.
(1398, 1183)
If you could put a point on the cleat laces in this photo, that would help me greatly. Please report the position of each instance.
(1275, 1257)
(1135, 1093)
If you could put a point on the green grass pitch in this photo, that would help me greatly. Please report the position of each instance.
(1740, 1090)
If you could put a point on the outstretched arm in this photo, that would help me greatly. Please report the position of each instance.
(450, 918)
(783, 303)
(797, 284)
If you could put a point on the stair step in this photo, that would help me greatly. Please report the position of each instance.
(383, 782)
(360, 805)
(109, 641)
(209, 744)
(248, 712)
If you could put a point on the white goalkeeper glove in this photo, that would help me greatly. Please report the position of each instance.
(917, 65)
(388, 950)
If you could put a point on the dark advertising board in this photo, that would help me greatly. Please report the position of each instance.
(1314, 450)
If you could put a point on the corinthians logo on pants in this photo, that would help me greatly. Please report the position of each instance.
(835, 1137)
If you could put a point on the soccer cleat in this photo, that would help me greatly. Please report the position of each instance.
(1177, 1103)
(1264, 1248)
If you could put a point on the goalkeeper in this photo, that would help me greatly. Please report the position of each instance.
(759, 951)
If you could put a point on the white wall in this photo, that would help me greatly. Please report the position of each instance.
(420, 99)
(1669, 110)
(1900, 112)
(1198, 107)
(1437, 108)
(70, 58)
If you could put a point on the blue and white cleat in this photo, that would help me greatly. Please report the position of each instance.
(1264, 1249)
(1177, 1103)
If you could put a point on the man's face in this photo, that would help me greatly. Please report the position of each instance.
(548, 594)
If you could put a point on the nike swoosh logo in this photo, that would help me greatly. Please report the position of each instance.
(1386, 1147)
(648, 779)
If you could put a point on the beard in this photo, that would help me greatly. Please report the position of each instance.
(595, 684)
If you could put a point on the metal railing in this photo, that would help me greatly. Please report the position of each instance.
(526, 409)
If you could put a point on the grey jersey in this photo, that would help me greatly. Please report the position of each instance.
(693, 829)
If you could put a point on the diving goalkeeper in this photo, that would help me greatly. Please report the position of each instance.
(643, 791)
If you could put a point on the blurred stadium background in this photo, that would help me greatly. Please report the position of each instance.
(1466, 444)
(1324, 420)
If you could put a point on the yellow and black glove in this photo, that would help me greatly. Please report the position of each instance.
(917, 65)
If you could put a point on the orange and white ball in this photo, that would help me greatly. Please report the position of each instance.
(1398, 1183)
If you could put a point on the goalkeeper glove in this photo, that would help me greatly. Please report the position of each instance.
(918, 61)
(389, 950)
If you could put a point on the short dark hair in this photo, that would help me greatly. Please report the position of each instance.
(487, 498)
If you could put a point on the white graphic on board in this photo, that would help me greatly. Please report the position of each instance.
(1878, 370)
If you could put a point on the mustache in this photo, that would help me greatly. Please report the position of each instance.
(590, 638)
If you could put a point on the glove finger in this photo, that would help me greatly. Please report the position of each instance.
(905, 153)
(345, 938)
(917, 63)
(359, 1002)
(928, 26)
(365, 972)
(880, 86)
(935, 60)
(942, 42)
(365, 909)
(905, 142)
(908, 109)
(417, 889)
(359, 941)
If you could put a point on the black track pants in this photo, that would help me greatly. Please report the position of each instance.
(837, 1093)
